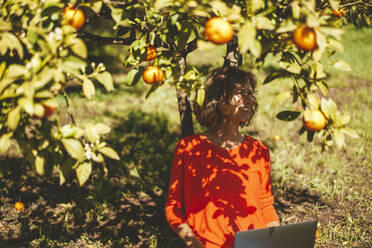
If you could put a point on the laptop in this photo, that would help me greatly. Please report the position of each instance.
(298, 235)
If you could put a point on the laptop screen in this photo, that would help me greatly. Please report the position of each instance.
(298, 235)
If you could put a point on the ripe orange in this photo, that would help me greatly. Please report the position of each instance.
(317, 121)
(277, 137)
(218, 30)
(153, 74)
(19, 206)
(337, 12)
(74, 17)
(305, 38)
(150, 53)
(48, 111)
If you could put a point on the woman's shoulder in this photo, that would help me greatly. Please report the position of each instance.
(188, 141)
(258, 144)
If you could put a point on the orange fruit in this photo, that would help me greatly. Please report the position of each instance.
(153, 74)
(19, 206)
(277, 137)
(305, 38)
(48, 111)
(150, 53)
(337, 12)
(218, 30)
(316, 122)
(74, 17)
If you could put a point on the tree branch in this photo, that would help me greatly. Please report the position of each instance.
(233, 57)
(106, 40)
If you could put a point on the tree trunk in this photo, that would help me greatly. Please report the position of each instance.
(184, 106)
(233, 58)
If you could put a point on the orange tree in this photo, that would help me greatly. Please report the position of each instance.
(42, 47)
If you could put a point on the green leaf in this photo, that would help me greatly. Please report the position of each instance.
(109, 152)
(13, 118)
(342, 65)
(329, 108)
(288, 115)
(66, 169)
(13, 43)
(313, 101)
(102, 128)
(78, 47)
(5, 142)
(27, 104)
(134, 76)
(291, 67)
(88, 88)
(247, 37)
(321, 43)
(312, 21)
(74, 148)
(83, 172)
(339, 138)
(153, 88)
(342, 120)
(272, 77)
(105, 79)
(200, 97)
(96, 6)
(15, 71)
(257, 4)
(263, 22)
(2, 69)
(281, 98)
(350, 132)
(205, 46)
(39, 165)
(323, 87)
(73, 65)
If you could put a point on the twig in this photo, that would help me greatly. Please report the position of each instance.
(106, 40)
(68, 105)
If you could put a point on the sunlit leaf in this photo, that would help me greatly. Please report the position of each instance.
(88, 88)
(78, 47)
(105, 79)
(200, 97)
(39, 165)
(329, 108)
(342, 65)
(83, 172)
(291, 67)
(13, 118)
(5, 142)
(339, 138)
(350, 132)
(74, 148)
(109, 152)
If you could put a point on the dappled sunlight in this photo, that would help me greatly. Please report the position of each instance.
(224, 186)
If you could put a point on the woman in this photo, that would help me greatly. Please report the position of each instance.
(220, 180)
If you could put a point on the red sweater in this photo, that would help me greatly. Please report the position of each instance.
(218, 192)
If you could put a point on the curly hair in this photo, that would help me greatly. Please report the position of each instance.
(218, 88)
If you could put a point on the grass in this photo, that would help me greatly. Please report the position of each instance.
(125, 209)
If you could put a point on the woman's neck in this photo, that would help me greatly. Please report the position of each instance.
(225, 135)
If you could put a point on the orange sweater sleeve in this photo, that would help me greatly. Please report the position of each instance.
(174, 211)
(266, 197)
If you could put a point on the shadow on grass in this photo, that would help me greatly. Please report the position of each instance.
(123, 208)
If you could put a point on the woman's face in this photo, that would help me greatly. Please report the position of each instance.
(242, 104)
